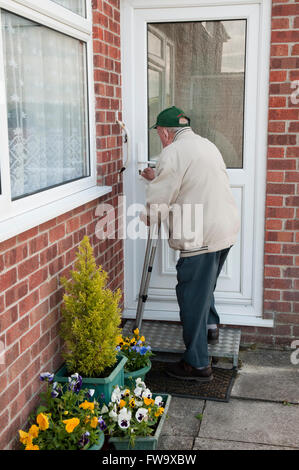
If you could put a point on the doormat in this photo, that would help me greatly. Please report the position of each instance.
(219, 389)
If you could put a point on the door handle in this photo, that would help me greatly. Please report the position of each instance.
(127, 140)
(142, 163)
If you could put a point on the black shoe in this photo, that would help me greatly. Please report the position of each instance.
(182, 370)
(213, 336)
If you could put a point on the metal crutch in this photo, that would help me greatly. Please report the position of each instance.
(151, 247)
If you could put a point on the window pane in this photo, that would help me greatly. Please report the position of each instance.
(154, 44)
(77, 6)
(47, 106)
(207, 78)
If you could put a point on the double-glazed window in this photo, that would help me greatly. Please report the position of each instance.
(46, 127)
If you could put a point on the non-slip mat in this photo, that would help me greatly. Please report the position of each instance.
(168, 337)
(219, 389)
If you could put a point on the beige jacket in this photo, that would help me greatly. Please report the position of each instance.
(191, 179)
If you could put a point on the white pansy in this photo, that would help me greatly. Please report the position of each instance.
(113, 415)
(138, 392)
(116, 395)
(147, 393)
(138, 403)
(125, 413)
(124, 418)
(141, 414)
(104, 409)
(159, 401)
(140, 383)
(123, 422)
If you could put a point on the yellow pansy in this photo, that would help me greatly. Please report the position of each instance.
(43, 421)
(119, 340)
(33, 431)
(122, 403)
(142, 339)
(132, 402)
(87, 405)
(65, 412)
(94, 422)
(148, 401)
(159, 412)
(31, 447)
(71, 424)
(136, 332)
(23, 437)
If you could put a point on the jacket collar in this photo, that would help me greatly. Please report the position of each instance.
(182, 132)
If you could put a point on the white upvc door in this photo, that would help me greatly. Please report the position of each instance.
(182, 53)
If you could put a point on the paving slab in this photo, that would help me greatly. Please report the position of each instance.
(181, 425)
(267, 375)
(215, 444)
(252, 422)
(175, 443)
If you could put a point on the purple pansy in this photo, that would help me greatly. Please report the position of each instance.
(75, 383)
(84, 440)
(46, 377)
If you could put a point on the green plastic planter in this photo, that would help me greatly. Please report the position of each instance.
(103, 386)
(99, 444)
(144, 443)
(130, 377)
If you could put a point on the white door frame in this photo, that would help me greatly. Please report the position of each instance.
(240, 314)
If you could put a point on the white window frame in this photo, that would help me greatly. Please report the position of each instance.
(22, 214)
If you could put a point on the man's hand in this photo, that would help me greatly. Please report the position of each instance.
(149, 174)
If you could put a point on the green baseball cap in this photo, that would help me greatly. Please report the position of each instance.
(172, 117)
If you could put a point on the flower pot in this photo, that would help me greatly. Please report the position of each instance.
(103, 386)
(144, 443)
(130, 377)
(99, 444)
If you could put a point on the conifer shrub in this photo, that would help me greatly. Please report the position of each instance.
(90, 317)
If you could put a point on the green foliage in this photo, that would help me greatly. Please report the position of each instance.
(136, 350)
(90, 317)
(66, 420)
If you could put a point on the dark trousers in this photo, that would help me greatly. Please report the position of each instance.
(197, 277)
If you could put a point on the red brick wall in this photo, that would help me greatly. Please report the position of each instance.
(32, 263)
(281, 295)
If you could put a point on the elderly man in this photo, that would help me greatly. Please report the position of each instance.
(191, 172)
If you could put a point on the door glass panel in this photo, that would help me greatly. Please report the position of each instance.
(203, 72)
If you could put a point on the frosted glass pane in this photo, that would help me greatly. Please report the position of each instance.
(203, 73)
(46, 86)
(77, 6)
